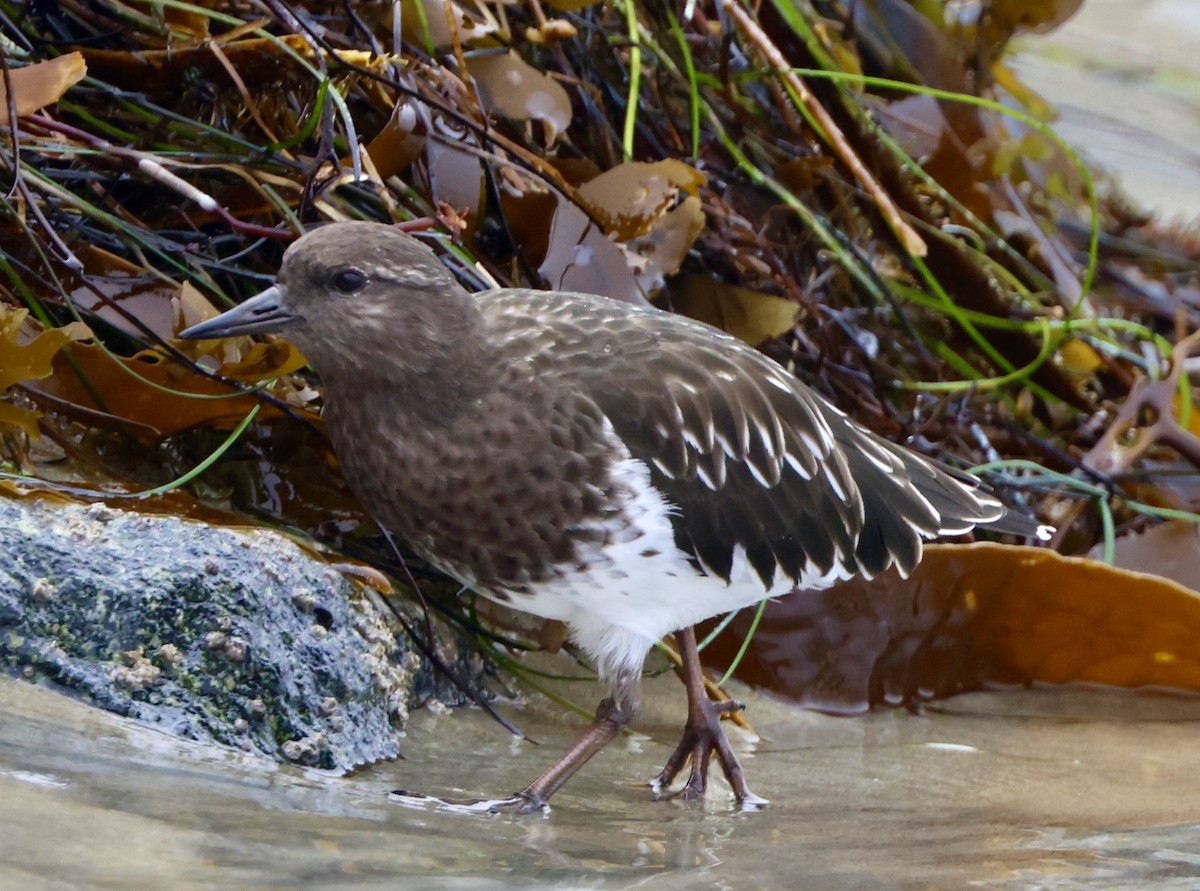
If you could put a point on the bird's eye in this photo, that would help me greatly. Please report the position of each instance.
(347, 281)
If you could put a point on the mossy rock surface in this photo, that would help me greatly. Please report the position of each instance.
(225, 635)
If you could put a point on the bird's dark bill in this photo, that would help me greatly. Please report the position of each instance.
(260, 314)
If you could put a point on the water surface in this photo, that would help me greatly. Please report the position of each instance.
(1015, 789)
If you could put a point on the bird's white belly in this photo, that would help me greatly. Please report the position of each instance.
(631, 593)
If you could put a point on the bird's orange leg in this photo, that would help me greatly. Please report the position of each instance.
(702, 736)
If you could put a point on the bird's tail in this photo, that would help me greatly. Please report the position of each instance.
(908, 497)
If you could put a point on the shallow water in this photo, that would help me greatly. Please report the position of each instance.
(1001, 790)
(1124, 76)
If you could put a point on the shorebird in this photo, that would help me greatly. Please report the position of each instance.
(624, 470)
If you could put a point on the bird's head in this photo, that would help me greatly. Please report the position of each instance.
(360, 300)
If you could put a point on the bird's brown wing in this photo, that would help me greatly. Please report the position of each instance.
(750, 456)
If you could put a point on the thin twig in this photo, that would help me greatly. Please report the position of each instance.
(830, 132)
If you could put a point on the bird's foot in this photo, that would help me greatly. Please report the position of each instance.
(521, 803)
(612, 714)
(703, 736)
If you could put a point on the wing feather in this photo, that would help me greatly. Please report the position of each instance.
(751, 458)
